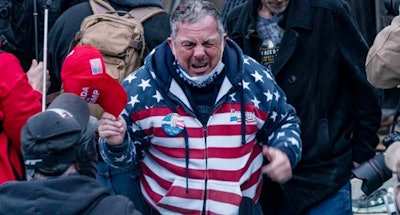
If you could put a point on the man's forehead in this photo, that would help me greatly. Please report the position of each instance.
(193, 37)
(198, 40)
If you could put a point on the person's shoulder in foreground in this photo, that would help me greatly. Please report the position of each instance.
(59, 153)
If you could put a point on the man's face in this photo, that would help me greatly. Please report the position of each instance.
(198, 46)
(275, 6)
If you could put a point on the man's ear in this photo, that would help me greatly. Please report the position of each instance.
(224, 39)
(223, 42)
(171, 45)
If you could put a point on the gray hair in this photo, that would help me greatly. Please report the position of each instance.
(193, 11)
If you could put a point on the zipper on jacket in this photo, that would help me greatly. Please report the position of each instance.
(206, 170)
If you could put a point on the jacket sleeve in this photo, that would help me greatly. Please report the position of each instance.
(132, 150)
(366, 104)
(281, 129)
(122, 155)
(18, 100)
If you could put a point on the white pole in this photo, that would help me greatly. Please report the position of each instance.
(35, 21)
(44, 90)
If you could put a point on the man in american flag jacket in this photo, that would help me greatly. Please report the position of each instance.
(200, 121)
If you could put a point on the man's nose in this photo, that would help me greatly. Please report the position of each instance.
(199, 51)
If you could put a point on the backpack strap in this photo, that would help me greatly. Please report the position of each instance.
(143, 13)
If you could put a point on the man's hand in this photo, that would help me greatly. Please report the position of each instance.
(112, 129)
(35, 76)
(278, 169)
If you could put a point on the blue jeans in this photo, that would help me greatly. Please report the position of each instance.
(249, 207)
(337, 204)
(340, 203)
(123, 181)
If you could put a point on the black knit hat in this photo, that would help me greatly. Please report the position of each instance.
(50, 139)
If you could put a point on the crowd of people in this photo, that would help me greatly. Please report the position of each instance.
(266, 110)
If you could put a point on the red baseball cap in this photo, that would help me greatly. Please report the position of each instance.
(84, 73)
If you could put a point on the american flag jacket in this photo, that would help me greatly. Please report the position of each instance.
(194, 168)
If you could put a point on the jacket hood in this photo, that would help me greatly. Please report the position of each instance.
(63, 195)
(136, 3)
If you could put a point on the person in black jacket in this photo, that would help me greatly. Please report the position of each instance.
(317, 54)
(59, 154)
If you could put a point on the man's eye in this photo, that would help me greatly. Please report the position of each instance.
(188, 46)
(209, 45)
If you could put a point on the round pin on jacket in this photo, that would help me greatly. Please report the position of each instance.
(173, 124)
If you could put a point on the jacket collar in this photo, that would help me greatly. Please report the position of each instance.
(297, 15)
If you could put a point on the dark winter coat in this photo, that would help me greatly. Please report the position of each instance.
(320, 66)
(156, 30)
(68, 195)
